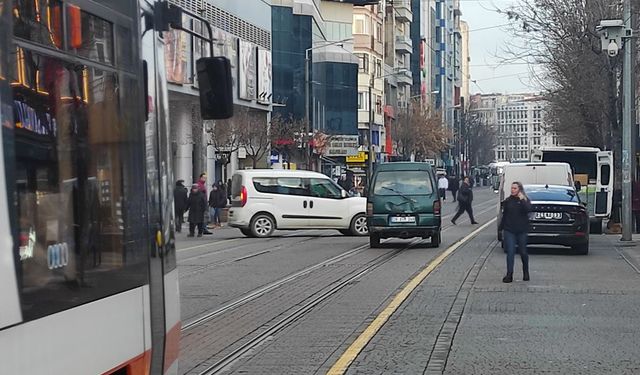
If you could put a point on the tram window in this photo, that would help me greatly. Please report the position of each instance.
(80, 204)
(39, 21)
(90, 36)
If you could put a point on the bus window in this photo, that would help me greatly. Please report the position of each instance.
(79, 191)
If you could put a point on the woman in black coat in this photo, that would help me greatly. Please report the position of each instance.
(515, 225)
(197, 206)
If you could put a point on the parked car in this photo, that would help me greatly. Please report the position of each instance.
(531, 174)
(558, 217)
(403, 202)
(263, 200)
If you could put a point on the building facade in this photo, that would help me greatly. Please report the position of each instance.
(315, 74)
(518, 121)
(242, 33)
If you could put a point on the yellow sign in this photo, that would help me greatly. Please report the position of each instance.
(361, 158)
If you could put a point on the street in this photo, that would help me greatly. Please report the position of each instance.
(316, 302)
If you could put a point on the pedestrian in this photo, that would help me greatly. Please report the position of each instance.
(180, 199)
(454, 185)
(465, 199)
(443, 185)
(229, 187)
(202, 186)
(514, 226)
(217, 201)
(196, 205)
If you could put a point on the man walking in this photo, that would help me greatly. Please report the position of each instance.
(197, 205)
(454, 185)
(443, 185)
(202, 187)
(465, 198)
(180, 199)
(217, 202)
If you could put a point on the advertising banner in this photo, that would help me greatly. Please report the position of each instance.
(247, 76)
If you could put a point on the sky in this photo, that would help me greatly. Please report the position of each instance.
(486, 43)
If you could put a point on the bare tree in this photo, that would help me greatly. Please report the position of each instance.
(420, 131)
(225, 135)
(481, 139)
(253, 135)
(287, 134)
(580, 81)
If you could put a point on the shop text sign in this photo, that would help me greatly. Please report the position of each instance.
(343, 145)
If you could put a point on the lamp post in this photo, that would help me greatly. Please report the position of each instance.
(307, 115)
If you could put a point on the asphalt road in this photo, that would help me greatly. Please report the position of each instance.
(313, 302)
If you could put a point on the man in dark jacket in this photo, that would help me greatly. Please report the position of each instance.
(197, 205)
(454, 185)
(180, 203)
(465, 198)
(217, 201)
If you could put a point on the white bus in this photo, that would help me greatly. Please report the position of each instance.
(592, 171)
(88, 278)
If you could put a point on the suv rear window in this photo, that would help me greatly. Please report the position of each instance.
(551, 194)
(403, 182)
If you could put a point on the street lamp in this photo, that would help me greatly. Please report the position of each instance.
(307, 116)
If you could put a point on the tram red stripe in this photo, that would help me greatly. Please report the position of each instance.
(172, 346)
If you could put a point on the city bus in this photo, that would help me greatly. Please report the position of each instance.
(88, 278)
(593, 173)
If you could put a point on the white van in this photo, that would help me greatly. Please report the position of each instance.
(263, 200)
(558, 174)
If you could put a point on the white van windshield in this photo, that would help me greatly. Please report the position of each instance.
(403, 182)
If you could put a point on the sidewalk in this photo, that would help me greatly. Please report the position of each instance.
(577, 315)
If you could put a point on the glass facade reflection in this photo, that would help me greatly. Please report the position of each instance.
(335, 94)
(291, 36)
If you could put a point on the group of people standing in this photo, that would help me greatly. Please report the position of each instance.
(197, 204)
(514, 223)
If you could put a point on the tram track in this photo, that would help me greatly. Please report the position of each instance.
(267, 313)
(300, 310)
(258, 292)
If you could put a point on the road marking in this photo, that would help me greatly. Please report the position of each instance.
(343, 363)
(208, 244)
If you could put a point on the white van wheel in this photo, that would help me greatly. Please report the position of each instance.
(262, 225)
(359, 225)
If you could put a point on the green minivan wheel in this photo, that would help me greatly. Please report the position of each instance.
(436, 239)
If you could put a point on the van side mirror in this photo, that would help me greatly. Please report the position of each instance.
(344, 193)
(216, 88)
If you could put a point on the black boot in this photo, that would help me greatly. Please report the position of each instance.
(508, 278)
(525, 275)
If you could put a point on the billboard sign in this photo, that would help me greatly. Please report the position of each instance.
(264, 76)
(342, 145)
(247, 76)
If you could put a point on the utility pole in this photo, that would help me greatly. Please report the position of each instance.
(627, 125)
(371, 150)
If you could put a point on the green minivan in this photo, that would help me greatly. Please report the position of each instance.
(403, 202)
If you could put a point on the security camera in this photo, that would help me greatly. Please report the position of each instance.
(612, 49)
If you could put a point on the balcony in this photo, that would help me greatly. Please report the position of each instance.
(404, 45)
(403, 10)
(405, 78)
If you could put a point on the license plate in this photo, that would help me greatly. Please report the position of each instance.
(548, 216)
(403, 219)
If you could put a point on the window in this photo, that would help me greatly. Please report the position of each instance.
(378, 68)
(325, 188)
(75, 157)
(40, 24)
(281, 185)
(403, 182)
(360, 24)
(377, 34)
(363, 101)
(92, 38)
(363, 63)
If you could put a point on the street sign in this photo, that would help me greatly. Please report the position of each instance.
(360, 158)
(430, 161)
(342, 145)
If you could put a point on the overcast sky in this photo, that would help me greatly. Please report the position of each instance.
(485, 44)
